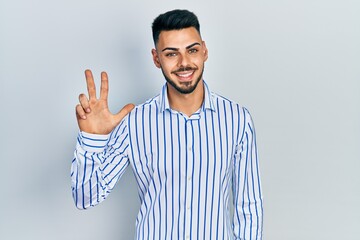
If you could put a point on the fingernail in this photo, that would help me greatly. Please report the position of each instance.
(83, 117)
(88, 110)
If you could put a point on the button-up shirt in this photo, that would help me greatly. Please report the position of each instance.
(190, 171)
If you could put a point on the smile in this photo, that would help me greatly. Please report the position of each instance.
(185, 74)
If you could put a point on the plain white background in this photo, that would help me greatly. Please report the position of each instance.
(294, 64)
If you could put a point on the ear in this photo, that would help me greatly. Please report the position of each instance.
(155, 58)
(205, 51)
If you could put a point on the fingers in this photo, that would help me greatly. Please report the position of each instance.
(124, 111)
(90, 84)
(80, 113)
(83, 107)
(84, 102)
(104, 88)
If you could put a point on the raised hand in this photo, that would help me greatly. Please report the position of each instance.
(93, 114)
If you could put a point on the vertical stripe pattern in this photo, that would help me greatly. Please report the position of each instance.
(185, 168)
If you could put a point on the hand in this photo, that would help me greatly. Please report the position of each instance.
(93, 114)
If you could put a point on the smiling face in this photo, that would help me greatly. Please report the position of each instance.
(181, 55)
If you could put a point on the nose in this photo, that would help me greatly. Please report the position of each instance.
(184, 61)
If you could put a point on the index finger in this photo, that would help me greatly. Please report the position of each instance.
(90, 84)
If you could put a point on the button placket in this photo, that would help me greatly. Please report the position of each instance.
(188, 178)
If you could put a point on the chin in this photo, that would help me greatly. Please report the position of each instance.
(184, 87)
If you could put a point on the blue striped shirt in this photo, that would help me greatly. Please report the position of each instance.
(185, 168)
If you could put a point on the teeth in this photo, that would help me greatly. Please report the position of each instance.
(185, 74)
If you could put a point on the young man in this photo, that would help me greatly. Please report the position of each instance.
(188, 147)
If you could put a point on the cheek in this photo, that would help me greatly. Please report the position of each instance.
(199, 59)
(199, 62)
(168, 65)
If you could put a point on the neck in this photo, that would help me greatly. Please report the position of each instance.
(186, 103)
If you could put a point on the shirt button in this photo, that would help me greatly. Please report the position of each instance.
(187, 237)
(189, 178)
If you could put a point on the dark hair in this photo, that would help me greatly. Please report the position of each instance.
(174, 20)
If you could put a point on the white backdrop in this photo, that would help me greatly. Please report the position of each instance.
(294, 64)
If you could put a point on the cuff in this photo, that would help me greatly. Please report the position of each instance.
(93, 142)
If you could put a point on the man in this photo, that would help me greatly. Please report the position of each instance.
(188, 147)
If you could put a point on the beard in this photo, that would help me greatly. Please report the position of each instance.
(184, 88)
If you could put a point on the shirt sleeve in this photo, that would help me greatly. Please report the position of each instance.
(248, 203)
(99, 161)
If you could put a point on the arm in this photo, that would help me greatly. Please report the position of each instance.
(100, 158)
(248, 216)
(99, 162)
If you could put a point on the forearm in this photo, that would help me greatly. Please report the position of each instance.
(248, 220)
(95, 170)
(248, 205)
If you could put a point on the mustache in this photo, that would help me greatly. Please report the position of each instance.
(183, 69)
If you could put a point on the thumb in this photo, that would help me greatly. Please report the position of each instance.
(124, 111)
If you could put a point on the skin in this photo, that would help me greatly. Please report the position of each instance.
(93, 114)
(180, 54)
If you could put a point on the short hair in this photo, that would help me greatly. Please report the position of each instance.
(174, 20)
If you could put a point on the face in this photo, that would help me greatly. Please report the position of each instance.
(181, 54)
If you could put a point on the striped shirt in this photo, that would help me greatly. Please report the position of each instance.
(185, 168)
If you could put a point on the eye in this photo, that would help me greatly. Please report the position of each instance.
(193, 50)
(171, 54)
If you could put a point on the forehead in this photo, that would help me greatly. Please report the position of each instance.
(178, 38)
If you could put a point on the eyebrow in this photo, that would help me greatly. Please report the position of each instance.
(177, 49)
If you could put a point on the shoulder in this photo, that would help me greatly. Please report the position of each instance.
(131, 118)
(238, 114)
(149, 103)
(223, 103)
(149, 107)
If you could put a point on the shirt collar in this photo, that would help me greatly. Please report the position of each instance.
(207, 104)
